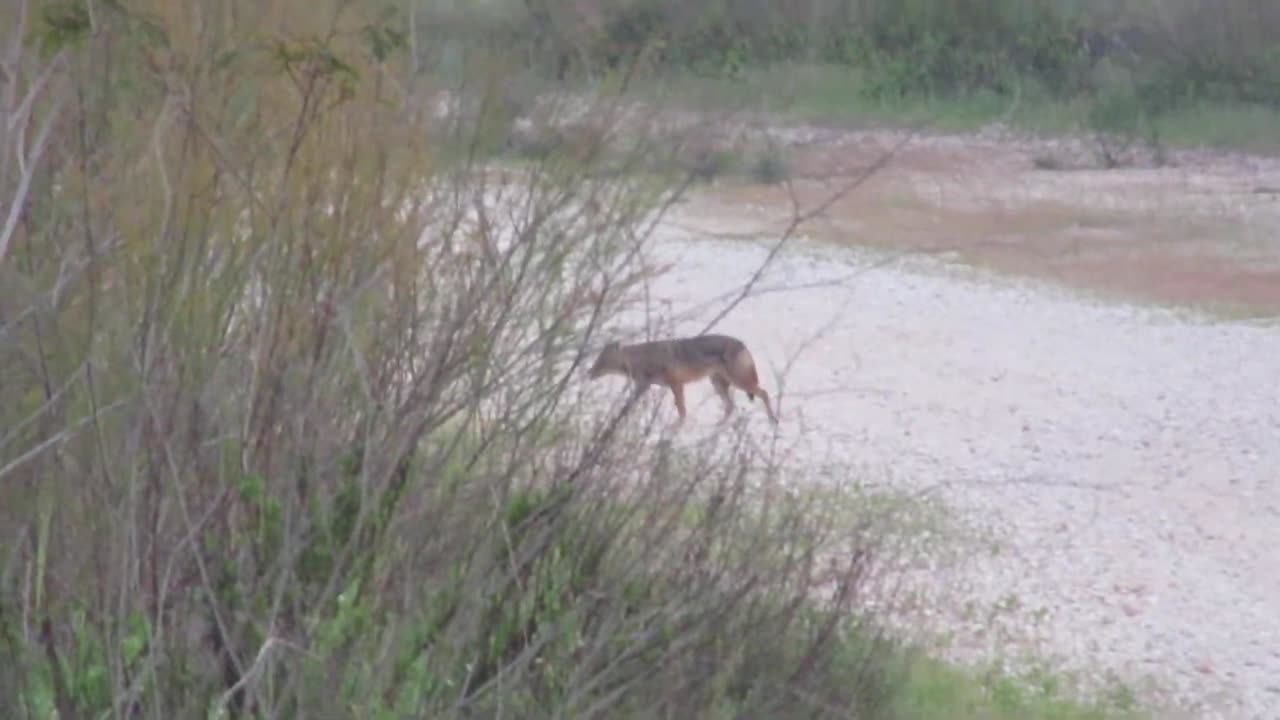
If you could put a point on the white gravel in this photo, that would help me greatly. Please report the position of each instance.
(1127, 458)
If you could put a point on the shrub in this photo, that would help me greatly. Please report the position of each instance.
(293, 424)
(1119, 116)
(770, 166)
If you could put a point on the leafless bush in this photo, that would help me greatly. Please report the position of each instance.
(291, 407)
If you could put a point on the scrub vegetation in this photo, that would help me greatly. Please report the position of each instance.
(293, 321)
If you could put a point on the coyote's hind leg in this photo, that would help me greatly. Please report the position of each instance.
(677, 392)
(722, 389)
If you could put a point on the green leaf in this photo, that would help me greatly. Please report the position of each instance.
(63, 24)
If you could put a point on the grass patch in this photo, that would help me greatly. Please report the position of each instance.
(824, 94)
(1247, 128)
(839, 95)
(934, 690)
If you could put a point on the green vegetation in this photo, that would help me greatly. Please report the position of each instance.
(1165, 71)
(289, 416)
(834, 94)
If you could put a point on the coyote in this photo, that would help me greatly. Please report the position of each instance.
(675, 363)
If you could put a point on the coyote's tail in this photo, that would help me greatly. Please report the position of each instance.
(743, 367)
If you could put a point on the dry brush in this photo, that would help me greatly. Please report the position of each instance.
(290, 409)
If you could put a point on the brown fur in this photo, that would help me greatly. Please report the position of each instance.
(676, 363)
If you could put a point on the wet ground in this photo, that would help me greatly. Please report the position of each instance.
(1203, 230)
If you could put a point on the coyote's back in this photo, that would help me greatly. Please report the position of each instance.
(677, 362)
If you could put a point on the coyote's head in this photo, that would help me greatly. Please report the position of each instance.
(608, 361)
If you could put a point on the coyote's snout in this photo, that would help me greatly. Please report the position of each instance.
(675, 363)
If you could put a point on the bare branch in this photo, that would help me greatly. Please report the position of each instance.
(800, 216)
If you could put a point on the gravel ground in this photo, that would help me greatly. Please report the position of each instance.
(1127, 459)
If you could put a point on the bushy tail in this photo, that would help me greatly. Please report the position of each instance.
(743, 367)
